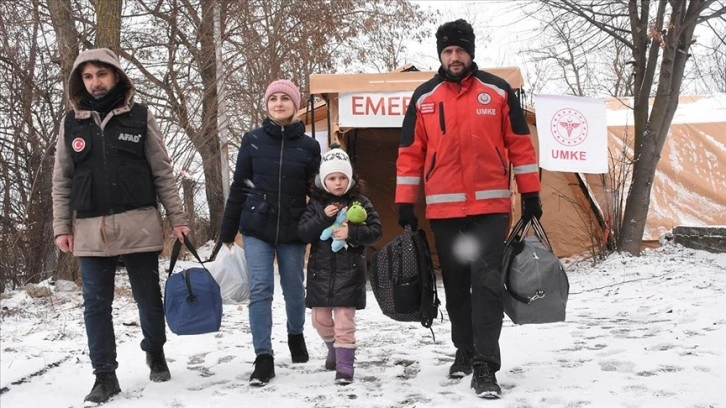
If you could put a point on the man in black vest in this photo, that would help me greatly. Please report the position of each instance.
(111, 171)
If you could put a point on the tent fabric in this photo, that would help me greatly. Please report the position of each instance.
(689, 185)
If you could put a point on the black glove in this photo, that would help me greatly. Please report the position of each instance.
(406, 216)
(531, 206)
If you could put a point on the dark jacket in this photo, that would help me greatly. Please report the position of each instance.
(275, 167)
(337, 279)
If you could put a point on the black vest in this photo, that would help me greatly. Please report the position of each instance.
(111, 174)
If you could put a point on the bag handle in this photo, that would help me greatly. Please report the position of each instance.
(518, 234)
(176, 250)
(540, 233)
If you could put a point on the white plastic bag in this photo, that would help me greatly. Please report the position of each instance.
(229, 269)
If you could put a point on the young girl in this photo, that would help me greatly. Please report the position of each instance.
(336, 273)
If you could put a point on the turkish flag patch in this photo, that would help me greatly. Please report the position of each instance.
(78, 144)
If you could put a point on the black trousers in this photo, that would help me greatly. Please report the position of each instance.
(470, 253)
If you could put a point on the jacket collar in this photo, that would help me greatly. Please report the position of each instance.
(292, 131)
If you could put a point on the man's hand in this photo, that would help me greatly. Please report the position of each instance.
(406, 216)
(180, 231)
(65, 242)
(531, 206)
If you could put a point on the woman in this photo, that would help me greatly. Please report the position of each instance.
(275, 166)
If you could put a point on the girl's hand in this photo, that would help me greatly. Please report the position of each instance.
(331, 210)
(341, 232)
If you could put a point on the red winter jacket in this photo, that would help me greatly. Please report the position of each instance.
(460, 138)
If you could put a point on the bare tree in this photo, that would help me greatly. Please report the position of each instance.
(262, 41)
(29, 113)
(659, 37)
(586, 62)
(168, 50)
(709, 69)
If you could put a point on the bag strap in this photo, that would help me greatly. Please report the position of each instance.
(519, 232)
(176, 250)
(421, 245)
(540, 233)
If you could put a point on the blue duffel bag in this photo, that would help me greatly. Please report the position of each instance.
(192, 299)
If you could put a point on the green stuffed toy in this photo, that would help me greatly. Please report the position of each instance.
(356, 213)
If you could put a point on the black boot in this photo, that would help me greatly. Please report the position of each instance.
(484, 382)
(105, 387)
(298, 349)
(264, 370)
(157, 363)
(462, 363)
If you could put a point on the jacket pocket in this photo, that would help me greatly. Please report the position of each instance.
(502, 161)
(81, 190)
(137, 186)
(257, 215)
(431, 167)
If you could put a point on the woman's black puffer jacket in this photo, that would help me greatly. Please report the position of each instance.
(275, 166)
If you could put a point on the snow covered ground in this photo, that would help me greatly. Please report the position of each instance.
(640, 332)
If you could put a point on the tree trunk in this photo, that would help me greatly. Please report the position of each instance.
(207, 140)
(638, 200)
(67, 39)
(652, 123)
(108, 24)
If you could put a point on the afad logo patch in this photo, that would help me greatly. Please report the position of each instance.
(78, 144)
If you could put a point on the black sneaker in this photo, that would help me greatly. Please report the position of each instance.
(462, 364)
(264, 370)
(484, 382)
(157, 363)
(105, 387)
(298, 349)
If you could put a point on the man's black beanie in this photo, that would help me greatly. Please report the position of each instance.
(457, 32)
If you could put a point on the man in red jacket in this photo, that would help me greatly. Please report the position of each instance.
(463, 133)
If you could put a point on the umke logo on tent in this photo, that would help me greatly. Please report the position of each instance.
(569, 127)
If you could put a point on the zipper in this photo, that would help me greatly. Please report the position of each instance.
(109, 187)
(279, 185)
(442, 121)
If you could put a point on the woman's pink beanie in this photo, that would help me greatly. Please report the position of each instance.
(288, 88)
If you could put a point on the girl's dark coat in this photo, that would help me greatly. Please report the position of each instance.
(337, 279)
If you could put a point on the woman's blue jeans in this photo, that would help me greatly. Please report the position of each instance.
(98, 275)
(260, 257)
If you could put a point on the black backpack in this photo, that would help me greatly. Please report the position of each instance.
(403, 279)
